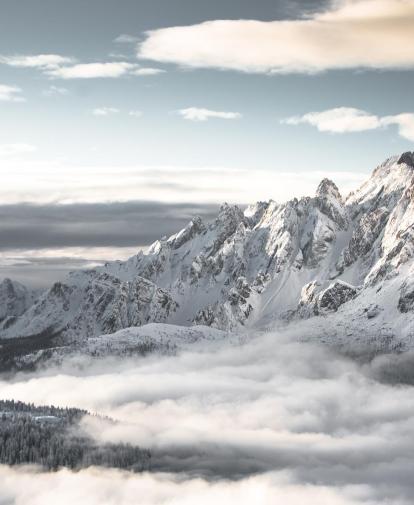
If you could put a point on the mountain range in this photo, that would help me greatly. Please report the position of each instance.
(341, 266)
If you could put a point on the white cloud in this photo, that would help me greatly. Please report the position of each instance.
(348, 119)
(104, 111)
(93, 70)
(349, 34)
(10, 94)
(62, 67)
(135, 113)
(405, 123)
(124, 38)
(148, 71)
(15, 149)
(43, 61)
(55, 90)
(338, 120)
(200, 114)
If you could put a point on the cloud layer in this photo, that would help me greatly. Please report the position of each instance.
(161, 183)
(350, 34)
(349, 120)
(129, 224)
(265, 420)
(110, 487)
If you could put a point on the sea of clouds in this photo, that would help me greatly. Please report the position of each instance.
(270, 421)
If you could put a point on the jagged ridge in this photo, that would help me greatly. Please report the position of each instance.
(270, 263)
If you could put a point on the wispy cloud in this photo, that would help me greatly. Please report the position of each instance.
(10, 94)
(93, 70)
(148, 71)
(105, 111)
(125, 38)
(201, 114)
(55, 90)
(349, 119)
(135, 113)
(62, 67)
(43, 61)
(349, 34)
(15, 149)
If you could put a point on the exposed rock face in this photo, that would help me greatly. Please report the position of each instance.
(315, 299)
(335, 295)
(406, 300)
(308, 299)
(303, 257)
(15, 298)
(366, 232)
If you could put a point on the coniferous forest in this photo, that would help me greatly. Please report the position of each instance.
(51, 437)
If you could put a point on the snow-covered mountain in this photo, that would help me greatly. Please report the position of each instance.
(351, 260)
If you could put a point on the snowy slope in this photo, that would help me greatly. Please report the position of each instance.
(322, 257)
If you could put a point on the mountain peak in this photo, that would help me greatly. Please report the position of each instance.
(328, 188)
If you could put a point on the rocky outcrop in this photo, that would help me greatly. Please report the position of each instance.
(406, 300)
(316, 300)
(329, 202)
(15, 298)
(366, 232)
(335, 295)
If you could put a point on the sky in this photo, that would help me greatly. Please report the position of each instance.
(117, 114)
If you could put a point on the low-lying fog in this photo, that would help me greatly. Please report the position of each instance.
(269, 421)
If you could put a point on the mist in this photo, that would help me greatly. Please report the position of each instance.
(288, 420)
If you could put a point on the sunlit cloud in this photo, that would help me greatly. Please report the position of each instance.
(349, 34)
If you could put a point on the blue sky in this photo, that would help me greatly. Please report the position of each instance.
(314, 89)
